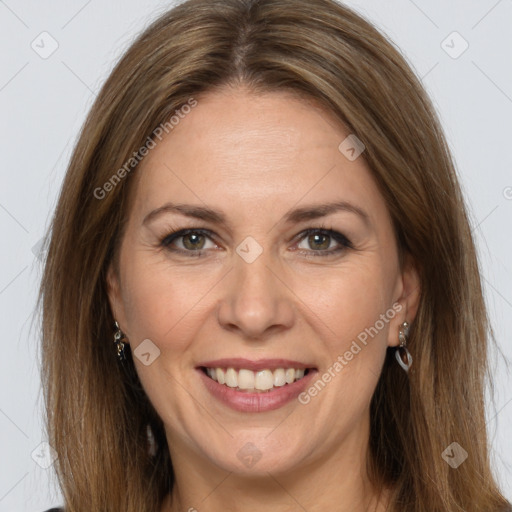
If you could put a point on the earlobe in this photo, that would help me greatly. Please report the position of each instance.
(114, 294)
(411, 289)
(409, 300)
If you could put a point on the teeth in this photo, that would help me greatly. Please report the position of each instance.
(262, 380)
(219, 373)
(279, 377)
(245, 379)
(231, 378)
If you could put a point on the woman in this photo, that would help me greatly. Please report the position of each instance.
(261, 221)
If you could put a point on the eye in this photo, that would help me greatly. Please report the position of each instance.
(194, 242)
(321, 242)
(190, 241)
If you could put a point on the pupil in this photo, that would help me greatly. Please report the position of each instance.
(192, 245)
(320, 246)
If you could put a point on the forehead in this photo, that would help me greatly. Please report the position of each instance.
(238, 150)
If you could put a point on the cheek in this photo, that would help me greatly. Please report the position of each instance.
(347, 306)
(163, 302)
(348, 301)
(163, 305)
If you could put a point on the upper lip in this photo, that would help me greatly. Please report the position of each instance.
(254, 365)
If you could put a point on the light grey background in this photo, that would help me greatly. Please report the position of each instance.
(44, 101)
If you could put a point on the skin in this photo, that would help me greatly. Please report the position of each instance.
(255, 157)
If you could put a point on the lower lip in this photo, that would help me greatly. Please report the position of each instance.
(244, 401)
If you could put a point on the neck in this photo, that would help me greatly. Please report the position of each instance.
(337, 480)
(281, 494)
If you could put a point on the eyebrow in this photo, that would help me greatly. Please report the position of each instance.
(292, 217)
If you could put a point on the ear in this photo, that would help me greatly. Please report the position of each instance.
(115, 296)
(407, 299)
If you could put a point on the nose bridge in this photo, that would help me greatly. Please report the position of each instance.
(255, 299)
(254, 277)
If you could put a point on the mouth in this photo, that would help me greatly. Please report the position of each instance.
(255, 386)
(264, 380)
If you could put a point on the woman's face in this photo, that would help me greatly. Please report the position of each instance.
(251, 298)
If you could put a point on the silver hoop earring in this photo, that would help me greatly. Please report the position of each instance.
(402, 354)
(119, 338)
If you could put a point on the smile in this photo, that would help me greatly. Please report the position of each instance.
(255, 381)
(255, 386)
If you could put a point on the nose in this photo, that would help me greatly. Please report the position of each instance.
(256, 301)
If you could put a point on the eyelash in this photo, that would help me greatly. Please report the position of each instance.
(344, 242)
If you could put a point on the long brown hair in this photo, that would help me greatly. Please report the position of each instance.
(97, 411)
